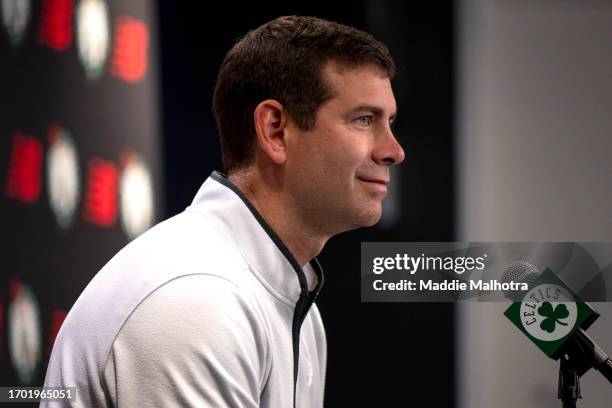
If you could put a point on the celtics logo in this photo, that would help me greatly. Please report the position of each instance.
(548, 312)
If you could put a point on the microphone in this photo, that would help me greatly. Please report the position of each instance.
(536, 306)
(519, 272)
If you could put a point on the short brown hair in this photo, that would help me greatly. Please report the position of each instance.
(283, 60)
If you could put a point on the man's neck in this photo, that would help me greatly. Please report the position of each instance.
(270, 201)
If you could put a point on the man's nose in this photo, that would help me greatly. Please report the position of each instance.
(388, 150)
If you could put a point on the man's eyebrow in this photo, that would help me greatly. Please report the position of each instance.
(375, 110)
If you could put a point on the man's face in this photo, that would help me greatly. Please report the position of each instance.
(337, 172)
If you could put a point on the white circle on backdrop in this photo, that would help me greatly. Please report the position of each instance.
(63, 176)
(93, 35)
(136, 196)
(24, 334)
(15, 18)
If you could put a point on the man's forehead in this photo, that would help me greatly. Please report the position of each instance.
(362, 86)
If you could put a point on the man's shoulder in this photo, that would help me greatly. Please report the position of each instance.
(187, 239)
(183, 245)
(193, 302)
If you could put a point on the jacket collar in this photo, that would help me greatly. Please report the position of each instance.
(263, 250)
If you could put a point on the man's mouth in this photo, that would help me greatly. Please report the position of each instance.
(381, 181)
(380, 185)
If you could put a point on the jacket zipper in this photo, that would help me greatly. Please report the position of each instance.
(305, 303)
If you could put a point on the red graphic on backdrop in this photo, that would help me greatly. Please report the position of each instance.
(130, 51)
(25, 168)
(101, 194)
(57, 318)
(56, 24)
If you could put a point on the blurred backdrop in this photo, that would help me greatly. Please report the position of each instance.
(80, 159)
(504, 114)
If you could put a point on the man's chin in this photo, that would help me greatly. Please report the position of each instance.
(370, 218)
(373, 221)
(362, 218)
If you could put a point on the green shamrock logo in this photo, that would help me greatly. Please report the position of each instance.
(552, 316)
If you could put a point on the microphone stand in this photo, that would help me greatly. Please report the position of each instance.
(579, 355)
(568, 390)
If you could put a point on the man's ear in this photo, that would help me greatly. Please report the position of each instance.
(270, 126)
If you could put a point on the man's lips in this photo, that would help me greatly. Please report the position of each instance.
(375, 184)
(374, 180)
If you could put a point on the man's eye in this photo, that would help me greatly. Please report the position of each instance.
(364, 120)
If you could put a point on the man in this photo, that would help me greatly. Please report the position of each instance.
(215, 306)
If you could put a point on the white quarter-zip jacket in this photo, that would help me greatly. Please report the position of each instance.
(206, 309)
